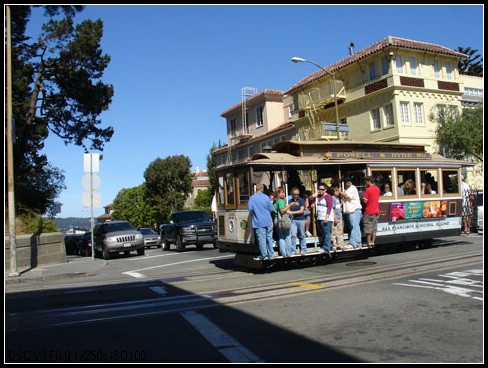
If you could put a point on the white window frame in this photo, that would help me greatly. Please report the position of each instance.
(419, 113)
(375, 119)
(259, 116)
(405, 112)
(448, 68)
(399, 64)
(389, 115)
(413, 65)
(291, 108)
(437, 69)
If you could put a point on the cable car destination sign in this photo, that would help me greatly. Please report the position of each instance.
(385, 155)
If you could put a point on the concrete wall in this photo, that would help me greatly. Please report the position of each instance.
(36, 250)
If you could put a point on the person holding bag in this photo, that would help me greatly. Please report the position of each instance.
(282, 222)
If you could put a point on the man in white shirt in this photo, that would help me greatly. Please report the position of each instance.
(352, 210)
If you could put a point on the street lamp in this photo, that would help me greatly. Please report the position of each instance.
(296, 59)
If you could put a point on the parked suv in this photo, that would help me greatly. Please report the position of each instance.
(189, 227)
(117, 236)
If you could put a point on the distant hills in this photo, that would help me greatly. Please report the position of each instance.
(64, 224)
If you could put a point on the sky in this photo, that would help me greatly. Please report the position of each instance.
(176, 68)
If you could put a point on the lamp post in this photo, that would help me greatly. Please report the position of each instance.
(296, 59)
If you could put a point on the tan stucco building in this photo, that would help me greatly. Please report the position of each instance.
(385, 92)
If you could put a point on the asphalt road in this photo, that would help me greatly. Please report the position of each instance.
(422, 306)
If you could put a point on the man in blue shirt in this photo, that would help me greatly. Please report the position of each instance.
(262, 208)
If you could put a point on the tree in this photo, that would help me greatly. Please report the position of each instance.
(204, 198)
(211, 170)
(132, 205)
(473, 65)
(56, 88)
(168, 184)
(462, 135)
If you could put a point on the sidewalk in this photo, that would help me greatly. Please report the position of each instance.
(75, 265)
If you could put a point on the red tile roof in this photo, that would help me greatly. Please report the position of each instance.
(200, 183)
(201, 173)
(388, 42)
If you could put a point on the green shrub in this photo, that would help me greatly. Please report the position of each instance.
(34, 223)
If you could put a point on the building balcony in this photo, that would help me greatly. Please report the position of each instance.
(321, 96)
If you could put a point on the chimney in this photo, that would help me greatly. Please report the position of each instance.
(351, 48)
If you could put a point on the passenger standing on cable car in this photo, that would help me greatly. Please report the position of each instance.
(352, 209)
(337, 231)
(298, 221)
(284, 234)
(325, 216)
(371, 209)
(262, 223)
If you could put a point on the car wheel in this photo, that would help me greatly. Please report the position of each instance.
(165, 244)
(105, 253)
(199, 246)
(159, 245)
(179, 244)
(141, 251)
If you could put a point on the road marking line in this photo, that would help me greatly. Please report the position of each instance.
(134, 274)
(139, 275)
(178, 263)
(307, 285)
(157, 256)
(233, 351)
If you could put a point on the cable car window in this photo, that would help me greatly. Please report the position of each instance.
(450, 182)
(406, 182)
(429, 181)
(243, 188)
(384, 180)
(229, 186)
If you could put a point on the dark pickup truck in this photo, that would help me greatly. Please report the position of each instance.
(189, 227)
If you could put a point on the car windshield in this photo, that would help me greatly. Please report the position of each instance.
(147, 231)
(479, 199)
(190, 216)
(117, 226)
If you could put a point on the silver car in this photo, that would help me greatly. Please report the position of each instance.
(479, 212)
(117, 236)
(151, 238)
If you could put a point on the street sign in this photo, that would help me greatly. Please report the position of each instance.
(85, 200)
(91, 162)
(86, 182)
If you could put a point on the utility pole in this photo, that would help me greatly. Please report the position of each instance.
(91, 182)
(10, 154)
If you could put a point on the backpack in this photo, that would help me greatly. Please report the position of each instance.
(284, 221)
